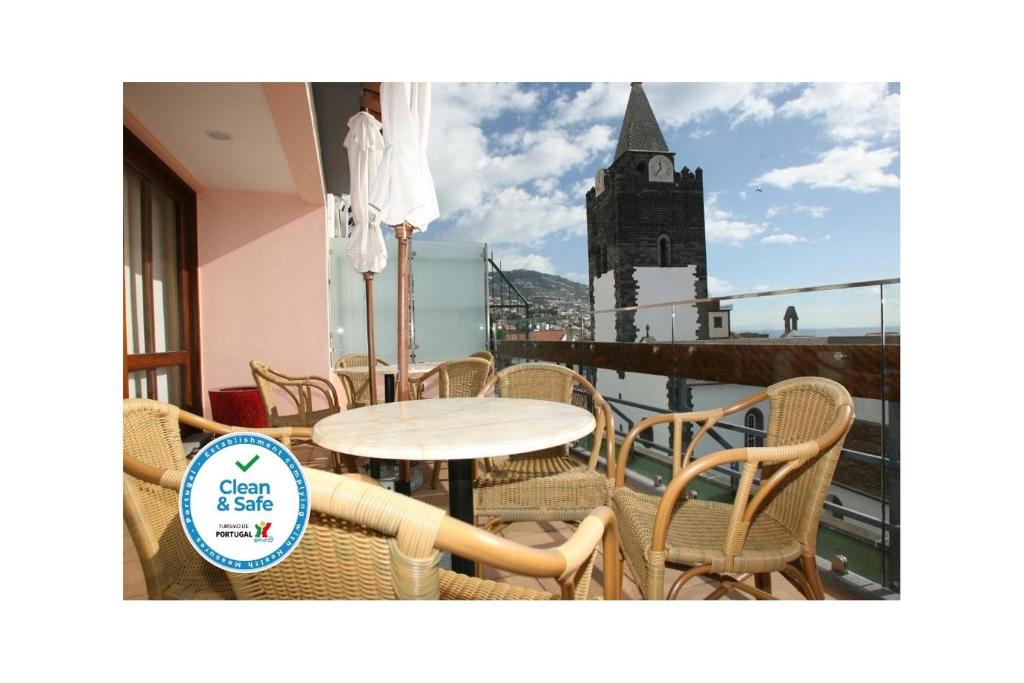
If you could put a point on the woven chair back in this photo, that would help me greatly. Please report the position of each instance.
(263, 377)
(171, 566)
(363, 542)
(299, 391)
(486, 355)
(463, 378)
(802, 409)
(356, 388)
(550, 382)
(542, 381)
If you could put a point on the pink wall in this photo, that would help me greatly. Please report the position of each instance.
(262, 286)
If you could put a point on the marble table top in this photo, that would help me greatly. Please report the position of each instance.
(452, 428)
(415, 369)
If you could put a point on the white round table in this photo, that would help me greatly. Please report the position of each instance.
(390, 372)
(454, 429)
(415, 369)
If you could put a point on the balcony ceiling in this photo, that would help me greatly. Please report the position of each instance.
(335, 103)
(181, 114)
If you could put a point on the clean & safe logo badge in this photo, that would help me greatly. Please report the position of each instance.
(235, 490)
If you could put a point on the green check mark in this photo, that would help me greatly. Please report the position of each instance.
(246, 466)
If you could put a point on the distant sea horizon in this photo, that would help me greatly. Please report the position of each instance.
(823, 331)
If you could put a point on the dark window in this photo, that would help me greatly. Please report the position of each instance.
(160, 302)
(754, 419)
(718, 322)
(664, 251)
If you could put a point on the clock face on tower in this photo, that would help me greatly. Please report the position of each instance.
(659, 169)
(599, 182)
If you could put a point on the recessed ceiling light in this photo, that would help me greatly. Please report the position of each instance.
(218, 135)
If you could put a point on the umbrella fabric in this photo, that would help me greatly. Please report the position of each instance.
(365, 145)
(404, 189)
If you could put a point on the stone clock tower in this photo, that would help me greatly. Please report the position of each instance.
(645, 236)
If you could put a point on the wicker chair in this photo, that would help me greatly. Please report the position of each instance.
(460, 378)
(301, 391)
(152, 437)
(486, 355)
(547, 485)
(363, 542)
(357, 388)
(774, 530)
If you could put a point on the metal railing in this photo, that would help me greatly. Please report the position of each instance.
(867, 365)
(509, 299)
(734, 474)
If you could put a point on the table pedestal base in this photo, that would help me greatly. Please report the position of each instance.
(403, 484)
(460, 505)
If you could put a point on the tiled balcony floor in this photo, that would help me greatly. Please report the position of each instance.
(534, 534)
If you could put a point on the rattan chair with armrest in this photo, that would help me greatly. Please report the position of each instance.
(459, 378)
(364, 542)
(772, 529)
(152, 438)
(547, 485)
(357, 389)
(486, 355)
(301, 390)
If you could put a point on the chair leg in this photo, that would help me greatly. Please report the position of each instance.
(810, 567)
(793, 574)
(763, 582)
(678, 584)
(435, 478)
(336, 462)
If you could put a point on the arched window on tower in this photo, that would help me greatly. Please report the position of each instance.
(664, 251)
(754, 419)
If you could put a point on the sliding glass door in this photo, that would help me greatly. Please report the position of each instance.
(160, 315)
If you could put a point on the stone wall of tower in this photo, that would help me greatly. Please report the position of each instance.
(625, 222)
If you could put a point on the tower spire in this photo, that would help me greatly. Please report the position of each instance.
(640, 131)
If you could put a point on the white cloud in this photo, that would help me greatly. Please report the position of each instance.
(599, 101)
(545, 185)
(772, 211)
(850, 111)
(677, 104)
(717, 286)
(458, 147)
(782, 238)
(674, 104)
(854, 168)
(546, 153)
(812, 211)
(516, 260)
(581, 187)
(577, 277)
(515, 216)
(504, 188)
(698, 133)
(721, 226)
(743, 194)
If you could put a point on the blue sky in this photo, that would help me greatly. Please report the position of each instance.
(512, 162)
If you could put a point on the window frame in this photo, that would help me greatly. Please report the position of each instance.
(664, 251)
(753, 440)
(155, 173)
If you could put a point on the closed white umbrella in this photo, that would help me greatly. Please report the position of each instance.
(366, 250)
(404, 189)
(403, 192)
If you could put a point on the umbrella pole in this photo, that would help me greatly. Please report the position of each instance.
(371, 347)
(404, 234)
